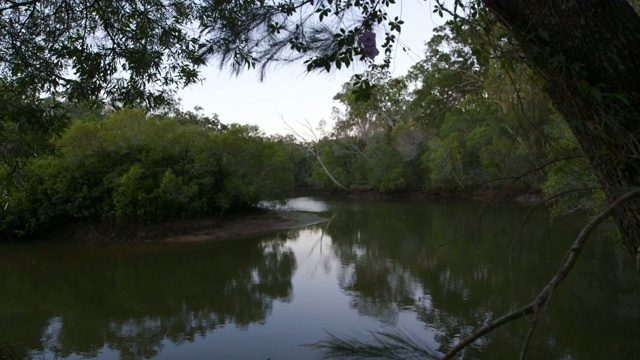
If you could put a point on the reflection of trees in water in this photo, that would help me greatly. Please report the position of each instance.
(69, 300)
(401, 257)
(379, 289)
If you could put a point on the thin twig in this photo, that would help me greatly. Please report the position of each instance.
(527, 339)
(14, 5)
(515, 178)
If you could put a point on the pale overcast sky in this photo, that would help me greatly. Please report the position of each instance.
(289, 93)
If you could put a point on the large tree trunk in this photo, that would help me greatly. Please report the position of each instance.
(588, 51)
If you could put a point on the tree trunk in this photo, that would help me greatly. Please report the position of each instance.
(588, 52)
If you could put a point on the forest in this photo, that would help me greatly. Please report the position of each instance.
(455, 123)
(511, 97)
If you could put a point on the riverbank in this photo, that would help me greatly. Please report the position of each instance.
(504, 195)
(251, 223)
(255, 221)
(242, 227)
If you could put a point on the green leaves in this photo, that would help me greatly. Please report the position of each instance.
(138, 53)
(396, 24)
(111, 50)
(133, 167)
(323, 12)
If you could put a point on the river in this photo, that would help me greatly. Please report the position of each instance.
(434, 270)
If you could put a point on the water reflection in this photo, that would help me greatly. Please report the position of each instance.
(456, 267)
(68, 301)
(439, 270)
(307, 204)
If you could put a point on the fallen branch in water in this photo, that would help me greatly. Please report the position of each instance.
(541, 302)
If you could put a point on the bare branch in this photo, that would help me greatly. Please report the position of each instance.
(314, 151)
(516, 178)
(544, 297)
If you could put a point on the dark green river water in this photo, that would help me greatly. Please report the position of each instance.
(437, 270)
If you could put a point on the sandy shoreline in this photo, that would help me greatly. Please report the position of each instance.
(252, 223)
(243, 227)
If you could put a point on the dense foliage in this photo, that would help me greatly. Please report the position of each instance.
(457, 121)
(129, 166)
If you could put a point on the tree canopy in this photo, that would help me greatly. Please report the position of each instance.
(136, 53)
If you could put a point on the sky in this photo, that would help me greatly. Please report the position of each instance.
(290, 94)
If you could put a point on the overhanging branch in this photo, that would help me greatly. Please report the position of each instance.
(542, 300)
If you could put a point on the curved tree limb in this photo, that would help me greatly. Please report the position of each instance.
(542, 300)
(314, 151)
